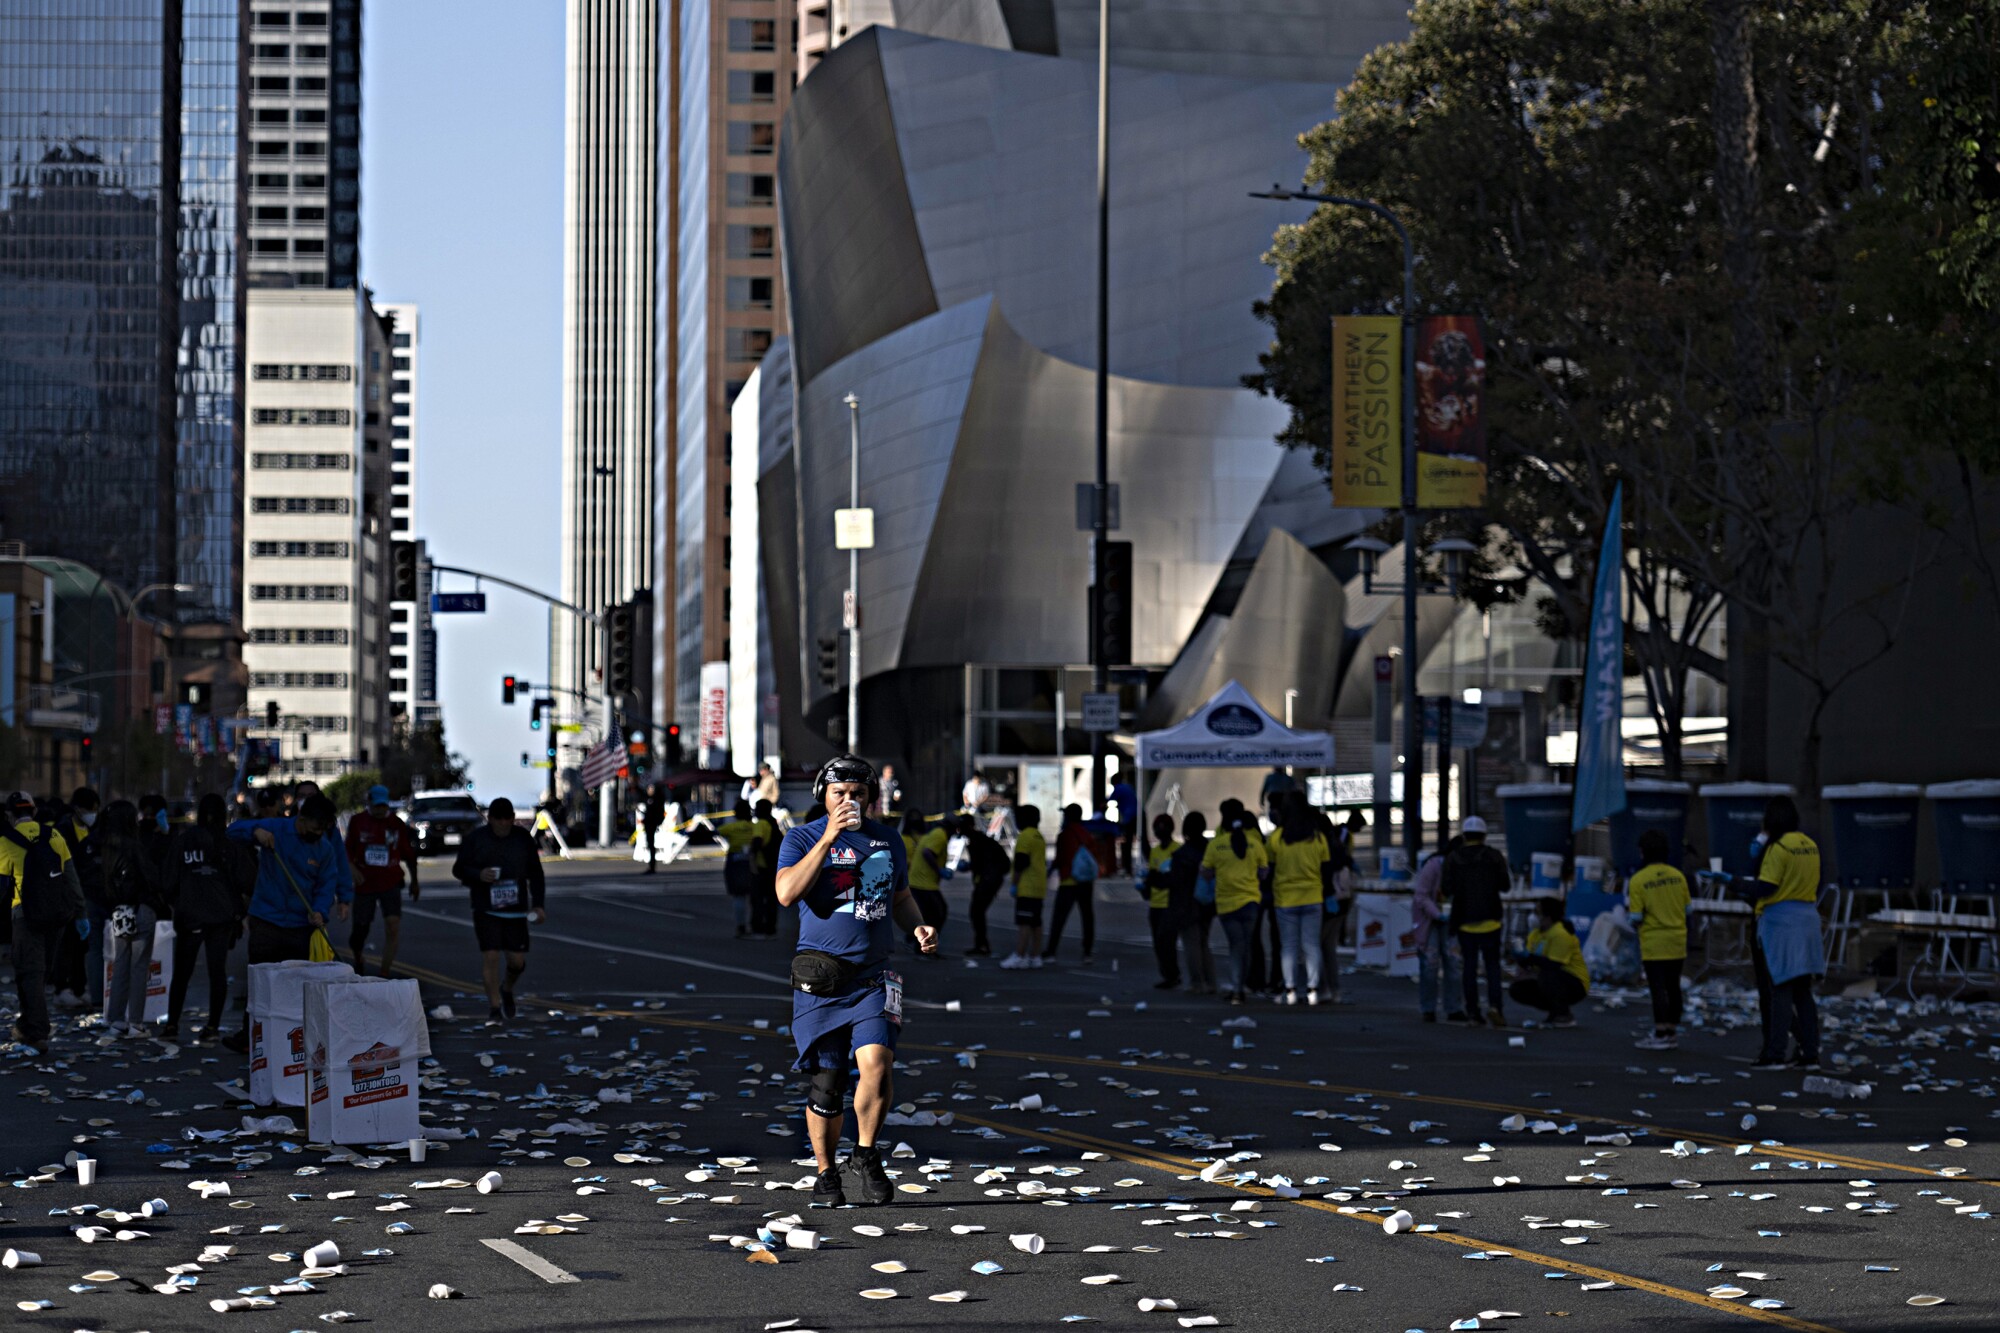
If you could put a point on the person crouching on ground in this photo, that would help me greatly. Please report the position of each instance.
(1557, 976)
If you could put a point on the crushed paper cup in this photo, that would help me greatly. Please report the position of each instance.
(440, 1292)
(1398, 1222)
(1027, 1243)
(879, 1294)
(1198, 1321)
(1151, 1303)
(949, 1297)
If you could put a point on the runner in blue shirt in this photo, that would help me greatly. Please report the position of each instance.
(850, 878)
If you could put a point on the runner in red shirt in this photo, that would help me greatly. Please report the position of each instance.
(379, 845)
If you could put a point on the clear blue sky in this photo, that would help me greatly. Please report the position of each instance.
(461, 189)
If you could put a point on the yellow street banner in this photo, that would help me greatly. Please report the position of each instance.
(1367, 467)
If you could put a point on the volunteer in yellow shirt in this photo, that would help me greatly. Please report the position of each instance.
(1657, 898)
(1299, 857)
(1788, 951)
(1557, 977)
(740, 838)
(1031, 889)
(34, 939)
(1236, 861)
(1158, 918)
(928, 872)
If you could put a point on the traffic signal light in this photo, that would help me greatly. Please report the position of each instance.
(271, 714)
(85, 746)
(621, 625)
(829, 662)
(524, 759)
(674, 743)
(506, 689)
(535, 715)
(402, 571)
(1111, 603)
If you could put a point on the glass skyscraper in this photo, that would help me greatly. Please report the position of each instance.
(120, 228)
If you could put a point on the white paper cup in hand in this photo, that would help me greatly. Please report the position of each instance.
(418, 1147)
(86, 1170)
(323, 1255)
(21, 1259)
(488, 1182)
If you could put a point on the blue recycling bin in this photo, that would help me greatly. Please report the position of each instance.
(1649, 804)
(1967, 815)
(1536, 817)
(1735, 814)
(1874, 826)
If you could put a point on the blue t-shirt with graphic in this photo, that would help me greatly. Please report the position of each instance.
(846, 913)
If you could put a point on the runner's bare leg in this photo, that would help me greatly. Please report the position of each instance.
(871, 1092)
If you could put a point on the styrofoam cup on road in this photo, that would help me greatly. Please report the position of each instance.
(798, 1238)
(21, 1259)
(1398, 1222)
(1031, 1102)
(418, 1147)
(1026, 1243)
(86, 1170)
(489, 1182)
(323, 1255)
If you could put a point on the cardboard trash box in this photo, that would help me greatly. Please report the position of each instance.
(277, 1031)
(364, 1040)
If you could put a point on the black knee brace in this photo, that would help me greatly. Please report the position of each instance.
(827, 1093)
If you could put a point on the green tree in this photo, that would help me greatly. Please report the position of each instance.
(1649, 203)
(418, 758)
(349, 791)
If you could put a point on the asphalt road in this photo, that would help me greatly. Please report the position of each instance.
(638, 989)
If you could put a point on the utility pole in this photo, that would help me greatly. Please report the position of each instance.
(1101, 517)
(852, 618)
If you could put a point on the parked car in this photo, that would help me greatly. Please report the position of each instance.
(441, 819)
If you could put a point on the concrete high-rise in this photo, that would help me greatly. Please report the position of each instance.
(317, 530)
(737, 65)
(610, 419)
(303, 120)
(412, 636)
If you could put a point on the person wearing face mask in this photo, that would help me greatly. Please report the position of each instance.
(1786, 947)
(78, 984)
(298, 886)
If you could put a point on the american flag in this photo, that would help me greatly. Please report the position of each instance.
(602, 764)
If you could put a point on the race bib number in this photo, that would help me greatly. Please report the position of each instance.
(504, 894)
(376, 856)
(892, 996)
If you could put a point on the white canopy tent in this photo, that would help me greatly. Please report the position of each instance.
(1231, 730)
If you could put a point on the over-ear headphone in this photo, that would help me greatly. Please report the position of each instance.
(847, 768)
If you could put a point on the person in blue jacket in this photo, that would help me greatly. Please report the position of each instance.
(849, 878)
(299, 885)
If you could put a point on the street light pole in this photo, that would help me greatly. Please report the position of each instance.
(853, 616)
(1413, 736)
(1101, 516)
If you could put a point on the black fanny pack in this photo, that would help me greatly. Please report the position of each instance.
(819, 973)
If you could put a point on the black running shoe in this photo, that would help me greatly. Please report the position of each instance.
(875, 1187)
(507, 1003)
(237, 1041)
(827, 1192)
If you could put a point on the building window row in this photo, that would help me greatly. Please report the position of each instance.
(749, 293)
(752, 242)
(752, 138)
(301, 416)
(265, 370)
(284, 18)
(285, 115)
(278, 180)
(328, 722)
(747, 190)
(299, 636)
(746, 344)
(301, 504)
(288, 462)
(304, 148)
(298, 680)
(304, 550)
(299, 592)
(286, 51)
(749, 87)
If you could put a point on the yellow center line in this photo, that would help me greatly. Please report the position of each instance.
(1781, 1151)
(1180, 1166)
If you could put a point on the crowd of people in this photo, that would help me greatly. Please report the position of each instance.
(1282, 892)
(90, 883)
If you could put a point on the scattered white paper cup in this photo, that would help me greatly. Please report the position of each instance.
(798, 1238)
(153, 1208)
(21, 1259)
(418, 1147)
(323, 1255)
(86, 1170)
(1031, 1102)
(1027, 1243)
(1398, 1222)
(440, 1292)
(489, 1182)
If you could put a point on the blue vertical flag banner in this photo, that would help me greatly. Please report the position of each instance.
(1600, 740)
